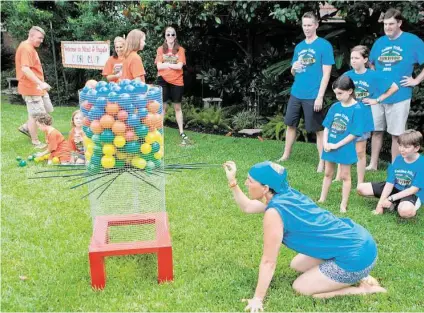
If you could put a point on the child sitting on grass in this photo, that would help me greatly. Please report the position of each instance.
(57, 145)
(404, 187)
(76, 138)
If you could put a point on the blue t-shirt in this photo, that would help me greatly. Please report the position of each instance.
(404, 175)
(343, 121)
(395, 59)
(313, 231)
(370, 84)
(313, 56)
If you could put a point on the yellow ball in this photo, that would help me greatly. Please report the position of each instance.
(55, 160)
(37, 159)
(158, 155)
(138, 162)
(109, 149)
(150, 137)
(89, 146)
(121, 155)
(145, 148)
(86, 141)
(46, 157)
(119, 141)
(108, 161)
(88, 155)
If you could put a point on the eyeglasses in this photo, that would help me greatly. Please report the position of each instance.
(173, 35)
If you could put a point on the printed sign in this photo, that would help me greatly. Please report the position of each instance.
(85, 54)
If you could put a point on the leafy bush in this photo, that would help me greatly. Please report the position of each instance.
(275, 128)
(6, 74)
(244, 119)
(211, 118)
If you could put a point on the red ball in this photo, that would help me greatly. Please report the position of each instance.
(122, 115)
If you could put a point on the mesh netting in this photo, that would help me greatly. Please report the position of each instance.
(123, 124)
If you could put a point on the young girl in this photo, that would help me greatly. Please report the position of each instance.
(370, 88)
(170, 59)
(113, 67)
(132, 67)
(343, 124)
(75, 138)
(57, 145)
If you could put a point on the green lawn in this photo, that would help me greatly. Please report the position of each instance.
(46, 229)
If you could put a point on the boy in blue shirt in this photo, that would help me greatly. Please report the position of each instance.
(311, 68)
(404, 187)
(394, 55)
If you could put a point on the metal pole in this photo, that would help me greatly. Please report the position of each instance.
(55, 65)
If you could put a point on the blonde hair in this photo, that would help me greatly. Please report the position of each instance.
(43, 118)
(117, 39)
(132, 43)
(411, 137)
(73, 115)
(36, 29)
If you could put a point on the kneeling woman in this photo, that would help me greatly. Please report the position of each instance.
(334, 253)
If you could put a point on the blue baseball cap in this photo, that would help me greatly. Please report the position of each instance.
(270, 174)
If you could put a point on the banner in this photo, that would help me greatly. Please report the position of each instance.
(85, 54)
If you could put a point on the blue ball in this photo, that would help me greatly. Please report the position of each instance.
(101, 84)
(124, 82)
(112, 96)
(84, 111)
(133, 120)
(100, 102)
(88, 132)
(95, 159)
(95, 113)
(141, 130)
(132, 147)
(140, 101)
(107, 136)
(111, 85)
(124, 99)
(129, 88)
(140, 87)
(116, 89)
(86, 89)
(154, 93)
(155, 147)
(102, 91)
(143, 112)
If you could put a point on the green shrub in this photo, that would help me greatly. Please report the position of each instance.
(244, 119)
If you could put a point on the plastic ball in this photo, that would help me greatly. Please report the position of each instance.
(112, 96)
(122, 115)
(140, 101)
(155, 147)
(132, 147)
(158, 163)
(121, 155)
(97, 150)
(18, 158)
(143, 112)
(91, 83)
(22, 163)
(150, 165)
(107, 136)
(91, 94)
(119, 141)
(96, 160)
(140, 87)
(124, 82)
(129, 88)
(88, 132)
(150, 137)
(102, 91)
(30, 158)
(112, 108)
(100, 102)
(55, 160)
(141, 130)
(96, 139)
(88, 155)
(37, 159)
(158, 155)
(85, 89)
(129, 135)
(119, 163)
(133, 120)
(138, 162)
(153, 106)
(93, 168)
(96, 127)
(101, 84)
(86, 121)
(107, 121)
(90, 146)
(95, 113)
(124, 99)
(111, 84)
(119, 128)
(86, 105)
(116, 89)
(108, 161)
(109, 149)
(145, 148)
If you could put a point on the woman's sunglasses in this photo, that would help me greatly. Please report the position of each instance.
(173, 35)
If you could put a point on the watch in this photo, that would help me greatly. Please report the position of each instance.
(390, 198)
(378, 100)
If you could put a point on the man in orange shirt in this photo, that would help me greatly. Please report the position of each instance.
(31, 86)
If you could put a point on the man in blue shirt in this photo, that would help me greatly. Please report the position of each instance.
(394, 55)
(311, 68)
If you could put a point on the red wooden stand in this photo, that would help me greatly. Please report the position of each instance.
(100, 247)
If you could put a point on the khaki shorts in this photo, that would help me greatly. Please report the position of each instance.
(38, 104)
(391, 117)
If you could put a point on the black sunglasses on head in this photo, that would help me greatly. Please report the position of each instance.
(173, 35)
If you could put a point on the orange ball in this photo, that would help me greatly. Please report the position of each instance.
(158, 120)
(96, 127)
(91, 83)
(150, 120)
(118, 128)
(129, 135)
(112, 108)
(153, 106)
(107, 121)
(122, 115)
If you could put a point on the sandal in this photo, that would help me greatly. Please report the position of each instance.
(24, 131)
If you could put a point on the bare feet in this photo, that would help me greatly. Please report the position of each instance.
(320, 167)
(282, 159)
(321, 200)
(343, 209)
(371, 167)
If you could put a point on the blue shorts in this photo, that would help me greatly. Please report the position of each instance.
(330, 269)
(364, 137)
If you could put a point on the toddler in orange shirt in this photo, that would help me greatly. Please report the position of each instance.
(57, 145)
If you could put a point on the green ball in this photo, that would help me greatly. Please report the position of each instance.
(150, 165)
(93, 168)
(88, 132)
(96, 139)
(98, 150)
(107, 136)
(31, 158)
(141, 131)
(22, 163)
(132, 147)
(158, 163)
(18, 158)
(119, 163)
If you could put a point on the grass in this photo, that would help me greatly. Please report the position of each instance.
(46, 229)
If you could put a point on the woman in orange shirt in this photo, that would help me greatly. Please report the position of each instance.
(113, 67)
(133, 65)
(170, 59)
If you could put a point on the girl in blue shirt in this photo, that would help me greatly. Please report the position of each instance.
(371, 88)
(333, 253)
(343, 124)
